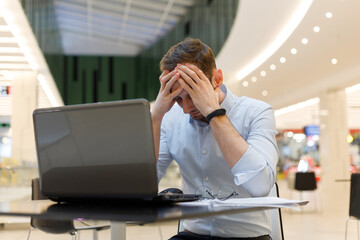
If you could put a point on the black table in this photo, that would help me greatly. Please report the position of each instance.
(117, 213)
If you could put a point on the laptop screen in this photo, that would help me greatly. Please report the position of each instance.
(95, 150)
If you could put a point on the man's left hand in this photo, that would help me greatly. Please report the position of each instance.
(203, 94)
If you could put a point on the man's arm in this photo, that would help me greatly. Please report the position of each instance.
(164, 102)
(206, 96)
(250, 165)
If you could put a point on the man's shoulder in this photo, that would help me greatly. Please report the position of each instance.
(253, 103)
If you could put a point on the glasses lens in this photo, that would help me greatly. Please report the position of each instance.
(226, 192)
(205, 192)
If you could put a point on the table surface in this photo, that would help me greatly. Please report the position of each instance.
(121, 212)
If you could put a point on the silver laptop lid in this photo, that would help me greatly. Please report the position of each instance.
(100, 150)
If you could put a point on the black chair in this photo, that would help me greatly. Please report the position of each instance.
(306, 181)
(277, 231)
(57, 226)
(354, 208)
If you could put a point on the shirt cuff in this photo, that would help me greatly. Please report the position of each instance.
(248, 166)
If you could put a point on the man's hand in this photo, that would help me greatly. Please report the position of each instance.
(165, 99)
(203, 94)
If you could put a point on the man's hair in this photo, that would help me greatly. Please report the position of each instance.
(190, 51)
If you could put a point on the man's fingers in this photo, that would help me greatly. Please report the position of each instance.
(197, 70)
(186, 86)
(192, 74)
(163, 74)
(165, 77)
(171, 82)
(190, 81)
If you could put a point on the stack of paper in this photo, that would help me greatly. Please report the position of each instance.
(248, 202)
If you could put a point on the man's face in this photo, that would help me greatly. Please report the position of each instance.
(185, 102)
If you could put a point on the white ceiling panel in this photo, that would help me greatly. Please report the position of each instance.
(121, 23)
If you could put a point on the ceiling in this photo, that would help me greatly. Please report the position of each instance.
(124, 27)
(304, 75)
(120, 27)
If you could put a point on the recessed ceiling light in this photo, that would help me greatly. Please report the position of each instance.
(263, 73)
(272, 67)
(334, 61)
(293, 51)
(264, 93)
(253, 79)
(304, 41)
(316, 29)
(329, 14)
(245, 83)
(282, 59)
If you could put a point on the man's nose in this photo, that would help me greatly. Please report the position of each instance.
(187, 106)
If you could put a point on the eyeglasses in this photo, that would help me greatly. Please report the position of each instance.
(224, 193)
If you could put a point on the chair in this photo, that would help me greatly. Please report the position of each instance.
(305, 181)
(277, 231)
(354, 208)
(57, 226)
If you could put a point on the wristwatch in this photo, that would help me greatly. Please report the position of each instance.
(217, 112)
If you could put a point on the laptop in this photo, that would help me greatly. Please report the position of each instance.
(98, 151)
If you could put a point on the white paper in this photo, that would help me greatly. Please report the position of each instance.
(248, 202)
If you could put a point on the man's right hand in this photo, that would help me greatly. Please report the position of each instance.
(164, 102)
(165, 99)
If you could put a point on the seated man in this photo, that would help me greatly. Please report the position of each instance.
(219, 140)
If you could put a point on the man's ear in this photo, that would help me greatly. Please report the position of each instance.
(217, 78)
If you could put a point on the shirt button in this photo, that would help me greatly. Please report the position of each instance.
(204, 151)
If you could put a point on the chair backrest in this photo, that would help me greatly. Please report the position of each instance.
(48, 225)
(36, 194)
(277, 231)
(354, 209)
(305, 181)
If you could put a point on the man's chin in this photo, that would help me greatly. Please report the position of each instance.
(198, 117)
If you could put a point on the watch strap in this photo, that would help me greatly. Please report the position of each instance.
(217, 112)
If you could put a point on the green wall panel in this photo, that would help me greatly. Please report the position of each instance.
(85, 79)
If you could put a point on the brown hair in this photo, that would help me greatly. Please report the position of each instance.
(190, 51)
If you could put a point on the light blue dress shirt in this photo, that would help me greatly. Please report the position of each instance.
(192, 145)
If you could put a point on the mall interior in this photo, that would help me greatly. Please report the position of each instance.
(299, 56)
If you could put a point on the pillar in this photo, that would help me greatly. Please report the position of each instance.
(334, 150)
(24, 101)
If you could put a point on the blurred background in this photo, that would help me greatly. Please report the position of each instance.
(300, 56)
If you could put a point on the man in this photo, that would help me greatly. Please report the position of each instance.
(218, 140)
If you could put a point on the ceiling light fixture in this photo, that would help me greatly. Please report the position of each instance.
(295, 107)
(282, 36)
(334, 61)
(283, 60)
(263, 73)
(353, 88)
(7, 40)
(264, 93)
(329, 15)
(316, 29)
(304, 41)
(293, 51)
(245, 83)
(272, 67)
(253, 79)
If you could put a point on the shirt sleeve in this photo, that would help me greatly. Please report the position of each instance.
(164, 159)
(258, 164)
